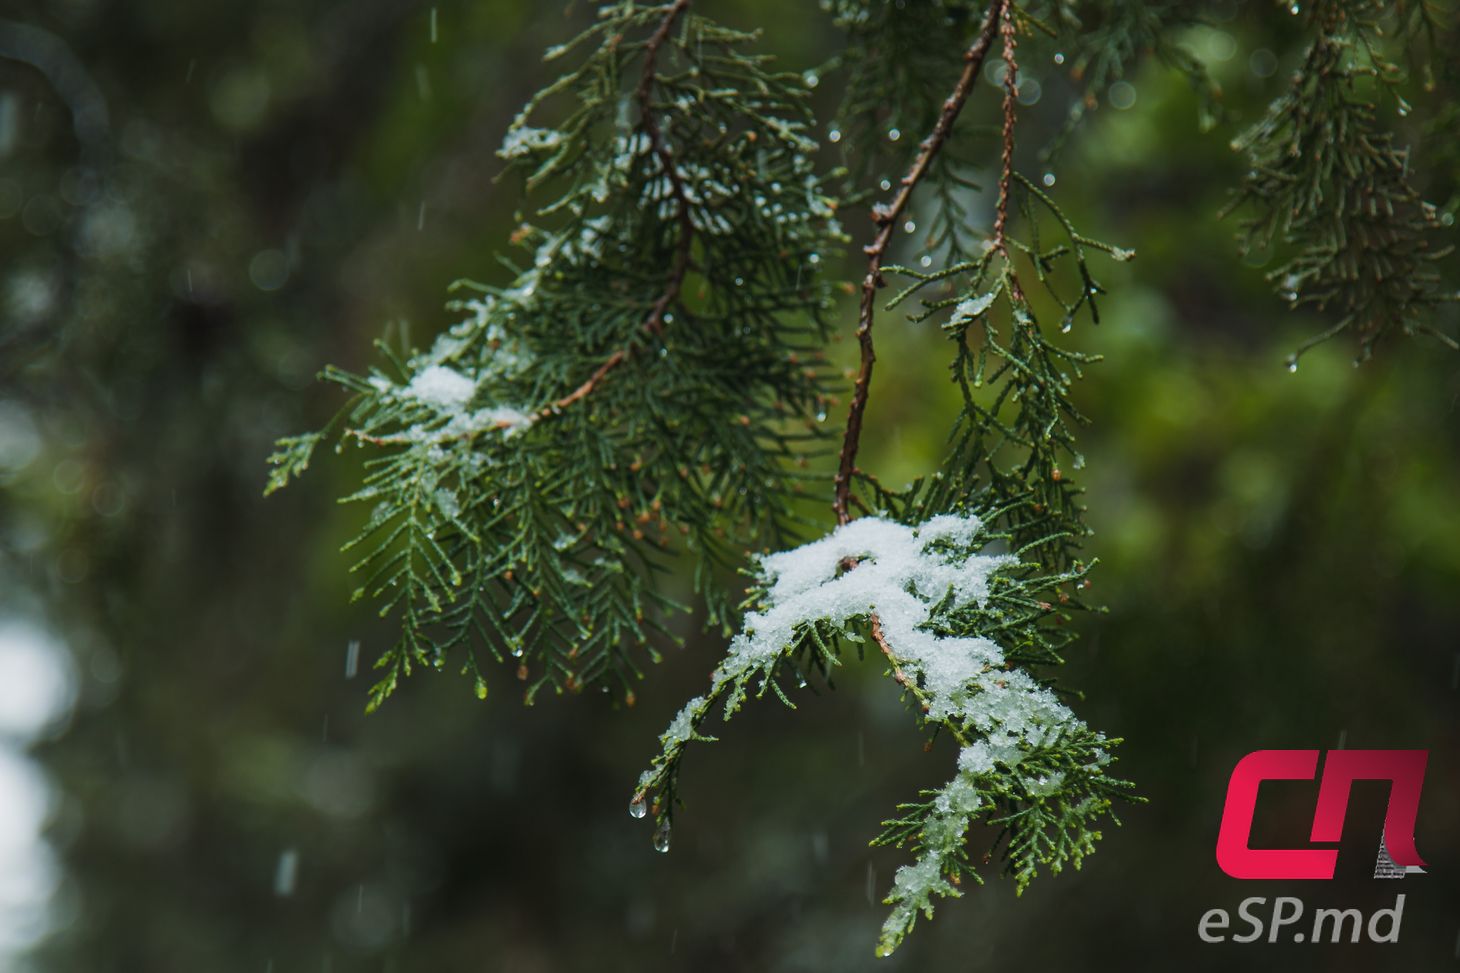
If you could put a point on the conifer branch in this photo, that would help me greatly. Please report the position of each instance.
(1332, 183)
(886, 217)
(670, 149)
(496, 533)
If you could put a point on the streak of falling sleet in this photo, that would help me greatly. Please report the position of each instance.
(286, 872)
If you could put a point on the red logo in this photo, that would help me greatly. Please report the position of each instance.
(1404, 769)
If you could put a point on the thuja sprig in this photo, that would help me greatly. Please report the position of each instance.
(1330, 184)
(642, 388)
(648, 381)
(960, 626)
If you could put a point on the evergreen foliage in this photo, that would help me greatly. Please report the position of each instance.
(1026, 764)
(644, 386)
(651, 383)
(1329, 180)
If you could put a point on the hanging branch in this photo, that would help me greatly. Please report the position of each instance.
(886, 217)
(477, 540)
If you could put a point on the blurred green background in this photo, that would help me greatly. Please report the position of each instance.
(202, 203)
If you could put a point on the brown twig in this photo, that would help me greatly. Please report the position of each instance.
(674, 283)
(588, 386)
(1011, 95)
(881, 640)
(902, 678)
(886, 217)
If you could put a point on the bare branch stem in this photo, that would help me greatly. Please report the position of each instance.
(886, 216)
(1011, 95)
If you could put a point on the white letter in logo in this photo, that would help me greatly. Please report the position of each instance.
(1279, 920)
(1244, 910)
(1395, 916)
(1215, 920)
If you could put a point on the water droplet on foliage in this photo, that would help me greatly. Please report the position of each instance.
(1059, 58)
(1121, 95)
(661, 836)
(893, 134)
(910, 226)
(638, 807)
(1048, 179)
(835, 135)
(885, 185)
(1292, 363)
